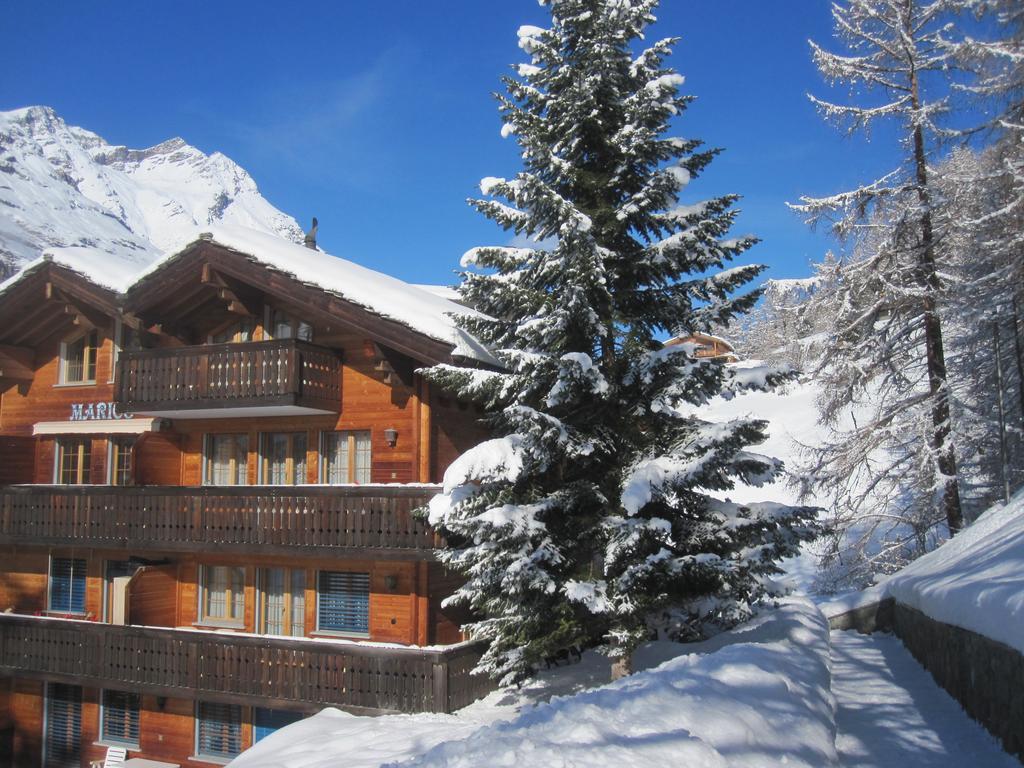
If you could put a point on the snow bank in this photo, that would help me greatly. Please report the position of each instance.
(754, 697)
(760, 697)
(975, 580)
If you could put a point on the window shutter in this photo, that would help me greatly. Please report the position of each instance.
(344, 602)
(67, 585)
(120, 717)
(63, 725)
(218, 729)
(266, 721)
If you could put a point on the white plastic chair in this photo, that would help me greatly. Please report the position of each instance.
(115, 757)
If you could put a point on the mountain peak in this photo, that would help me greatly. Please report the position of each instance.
(63, 185)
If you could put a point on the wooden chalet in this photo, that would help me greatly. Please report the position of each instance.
(208, 476)
(707, 346)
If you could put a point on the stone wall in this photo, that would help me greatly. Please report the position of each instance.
(985, 676)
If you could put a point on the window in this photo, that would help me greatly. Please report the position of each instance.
(343, 602)
(62, 747)
(67, 585)
(120, 463)
(283, 458)
(266, 721)
(222, 594)
(119, 718)
(235, 333)
(78, 360)
(227, 459)
(74, 458)
(346, 458)
(281, 325)
(282, 602)
(218, 730)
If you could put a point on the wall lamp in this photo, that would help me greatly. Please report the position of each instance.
(391, 436)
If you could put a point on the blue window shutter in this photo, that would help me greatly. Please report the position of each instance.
(218, 729)
(344, 602)
(266, 721)
(67, 585)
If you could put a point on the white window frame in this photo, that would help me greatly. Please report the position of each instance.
(62, 365)
(259, 613)
(111, 469)
(325, 456)
(203, 620)
(58, 454)
(207, 443)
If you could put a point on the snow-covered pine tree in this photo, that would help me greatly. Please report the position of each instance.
(886, 360)
(590, 511)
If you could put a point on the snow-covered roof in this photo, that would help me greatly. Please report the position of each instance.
(384, 295)
(708, 336)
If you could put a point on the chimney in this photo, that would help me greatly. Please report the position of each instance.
(311, 235)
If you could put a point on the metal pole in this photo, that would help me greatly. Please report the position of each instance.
(1002, 419)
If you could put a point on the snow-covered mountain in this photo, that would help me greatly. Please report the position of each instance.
(61, 185)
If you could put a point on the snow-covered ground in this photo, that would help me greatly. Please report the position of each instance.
(758, 697)
(891, 714)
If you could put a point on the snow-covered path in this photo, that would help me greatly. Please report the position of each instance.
(891, 714)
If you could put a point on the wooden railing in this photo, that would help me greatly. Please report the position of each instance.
(364, 520)
(282, 372)
(241, 669)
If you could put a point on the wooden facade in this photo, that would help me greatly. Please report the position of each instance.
(207, 496)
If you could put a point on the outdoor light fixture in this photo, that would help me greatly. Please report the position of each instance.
(391, 582)
(391, 435)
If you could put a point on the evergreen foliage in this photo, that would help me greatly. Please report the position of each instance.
(595, 510)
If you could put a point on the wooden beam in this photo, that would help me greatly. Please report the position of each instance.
(81, 315)
(16, 363)
(426, 432)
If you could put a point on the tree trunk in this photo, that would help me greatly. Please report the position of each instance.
(942, 442)
(1020, 357)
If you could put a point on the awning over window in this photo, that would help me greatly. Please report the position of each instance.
(97, 427)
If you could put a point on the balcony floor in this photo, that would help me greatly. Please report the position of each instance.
(253, 411)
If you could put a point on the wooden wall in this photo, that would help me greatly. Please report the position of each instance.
(153, 596)
(46, 400)
(167, 595)
(17, 459)
(166, 727)
(23, 581)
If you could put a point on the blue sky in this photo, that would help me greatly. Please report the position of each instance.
(378, 118)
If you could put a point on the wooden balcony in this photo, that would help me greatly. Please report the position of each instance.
(288, 673)
(353, 521)
(260, 378)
